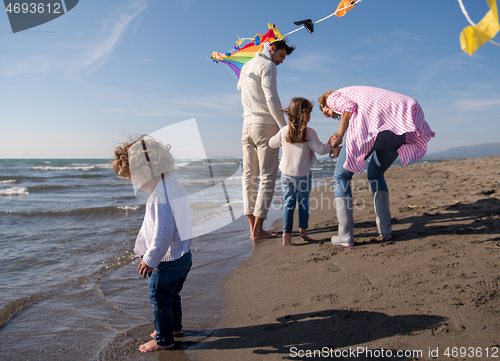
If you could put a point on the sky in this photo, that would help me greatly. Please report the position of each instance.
(79, 85)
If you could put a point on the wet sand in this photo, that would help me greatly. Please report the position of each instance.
(432, 288)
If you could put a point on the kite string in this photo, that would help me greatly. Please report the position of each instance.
(470, 21)
(465, 12)
(302, 27)
(326, 17)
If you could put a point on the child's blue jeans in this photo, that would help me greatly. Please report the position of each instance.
(165, 284)
(295, 189)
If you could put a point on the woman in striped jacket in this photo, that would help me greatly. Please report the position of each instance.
(379, 124)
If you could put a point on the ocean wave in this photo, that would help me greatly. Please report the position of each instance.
(15, 191)
(8, 181)
(219, 210)
(79, 167)
(181, 164)
(209, 180)
(95, 211)
(7, 312)
(203, 163)
(48, 187)
(129, 208)
(102, 165)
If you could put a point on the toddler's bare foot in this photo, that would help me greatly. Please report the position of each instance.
(153, 346)
(175, 333)
(287, 239)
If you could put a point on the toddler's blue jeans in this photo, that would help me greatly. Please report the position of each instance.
(165, 284)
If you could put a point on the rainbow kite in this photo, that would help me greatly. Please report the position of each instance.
(238, 57)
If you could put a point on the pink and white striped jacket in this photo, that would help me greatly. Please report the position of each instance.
(373, 111)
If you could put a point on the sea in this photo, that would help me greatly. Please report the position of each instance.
(70, 288)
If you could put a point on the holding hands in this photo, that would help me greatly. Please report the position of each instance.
(335, 141)
(335, 151)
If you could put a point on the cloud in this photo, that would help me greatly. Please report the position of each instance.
(87, 56)
(96, 54)
(216, 105)
(311, 62)
(477, 104)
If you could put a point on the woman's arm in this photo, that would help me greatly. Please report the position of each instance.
(336, 139)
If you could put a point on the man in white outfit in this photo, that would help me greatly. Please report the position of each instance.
(262, 119)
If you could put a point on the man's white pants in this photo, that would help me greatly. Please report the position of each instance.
(260, 167)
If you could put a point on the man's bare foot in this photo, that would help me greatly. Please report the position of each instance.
(287, 239)
(153, 346)
(175, 333)
(263, 235)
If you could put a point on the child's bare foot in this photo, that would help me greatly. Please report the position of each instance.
(304, 236)
(287, 239)
(153, 346)
(175, 333)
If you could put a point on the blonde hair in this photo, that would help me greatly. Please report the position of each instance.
(143, 151)
(298, 116)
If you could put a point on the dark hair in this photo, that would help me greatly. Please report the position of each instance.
(282, 44)
(298, 112)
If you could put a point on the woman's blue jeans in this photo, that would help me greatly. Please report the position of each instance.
(165, 284)
(383, 153)
(295, 189)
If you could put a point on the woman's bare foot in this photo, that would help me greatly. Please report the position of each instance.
(287, 239)
(175, 333)
(153, 346)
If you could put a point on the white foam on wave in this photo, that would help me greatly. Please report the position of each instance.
(209, 180)
(181, 164)
(9, 181)
(104, 165)
(14, 191)
(84, 168)
(201, 216)
(129, 208)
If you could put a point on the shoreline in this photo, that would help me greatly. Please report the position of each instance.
(435, 285)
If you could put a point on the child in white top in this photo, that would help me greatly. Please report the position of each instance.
(299, 144)
(165, 236)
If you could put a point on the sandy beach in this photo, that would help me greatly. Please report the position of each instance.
(430, 293)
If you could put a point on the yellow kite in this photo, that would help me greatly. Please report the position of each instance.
(472, 37)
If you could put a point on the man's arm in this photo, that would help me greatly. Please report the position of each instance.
(270, 88)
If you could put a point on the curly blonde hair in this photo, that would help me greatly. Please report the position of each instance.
(143, 151)
(298, 116)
